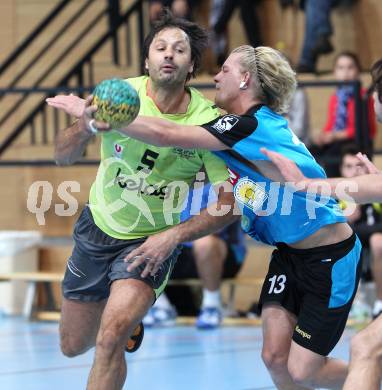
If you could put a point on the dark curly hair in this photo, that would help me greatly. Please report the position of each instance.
(197, 35)
(376, 74)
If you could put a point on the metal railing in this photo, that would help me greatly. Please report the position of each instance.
(361, 115)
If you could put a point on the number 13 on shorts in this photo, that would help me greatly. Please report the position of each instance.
(277, 284)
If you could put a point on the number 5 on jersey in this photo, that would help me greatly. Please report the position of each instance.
(148, 160)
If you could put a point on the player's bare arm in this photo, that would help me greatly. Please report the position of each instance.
(159, 246)
(369, 187)
(161, 132)
(71, 142)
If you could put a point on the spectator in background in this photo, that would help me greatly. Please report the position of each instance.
(299, 116)
(366, 221)
(318, 30)
(248, 16)
(210, 258)
(219, 42)
(179, 8)
(340, 124)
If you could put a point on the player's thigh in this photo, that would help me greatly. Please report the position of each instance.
(280, 305)
(131, 296)
(80, 322)
(304, 363)
(278, 326)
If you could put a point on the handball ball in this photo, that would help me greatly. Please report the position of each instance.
(117, 102)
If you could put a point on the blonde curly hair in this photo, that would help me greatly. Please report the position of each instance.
(275, 80)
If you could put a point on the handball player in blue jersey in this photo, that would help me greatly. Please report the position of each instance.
(314, 271)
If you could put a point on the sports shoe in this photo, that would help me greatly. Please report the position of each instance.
(135, 340)
(209, 318)
(157, 316)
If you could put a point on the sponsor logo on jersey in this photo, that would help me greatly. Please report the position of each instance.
(184, 153)
(251, 195)
(304, 334)
(118, 150)
(140, 185)
(225, 123)
(233, 176)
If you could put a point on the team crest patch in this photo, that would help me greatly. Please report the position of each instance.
(225, 123)
(118, 149)
(250, 194)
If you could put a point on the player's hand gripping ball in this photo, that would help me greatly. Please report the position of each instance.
(117, 101)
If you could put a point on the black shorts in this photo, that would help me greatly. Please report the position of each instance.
(185, 267)
(317, 285)
(98, 259)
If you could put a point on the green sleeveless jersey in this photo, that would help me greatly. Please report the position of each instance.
(140, 189)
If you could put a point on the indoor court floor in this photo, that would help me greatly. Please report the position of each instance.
(176, 358)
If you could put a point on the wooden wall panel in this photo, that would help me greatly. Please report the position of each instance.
(16, 182)
(7, 32)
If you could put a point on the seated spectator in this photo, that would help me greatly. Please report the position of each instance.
(179, 8)
(340, 125)
(210, 258)
(366, 221)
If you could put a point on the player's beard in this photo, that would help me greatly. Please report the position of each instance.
(173, 79)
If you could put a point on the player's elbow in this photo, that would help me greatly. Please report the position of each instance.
(62, 159)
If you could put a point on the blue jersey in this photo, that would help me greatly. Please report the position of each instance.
(233, 235)
(272, 213)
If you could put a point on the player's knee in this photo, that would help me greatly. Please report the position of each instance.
(71, 347)
(274, 359)
(361, 346)
(111, 339)
(209, 246)
(300, 374)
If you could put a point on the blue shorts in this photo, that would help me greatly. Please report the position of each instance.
(98, 259)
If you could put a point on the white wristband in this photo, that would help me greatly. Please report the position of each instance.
(92, 128)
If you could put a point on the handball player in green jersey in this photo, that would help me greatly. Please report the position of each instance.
(132, 198)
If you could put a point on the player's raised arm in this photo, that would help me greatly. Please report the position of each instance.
(161, 132)
(71, 142)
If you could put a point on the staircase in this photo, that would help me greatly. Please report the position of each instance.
(75, 46)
